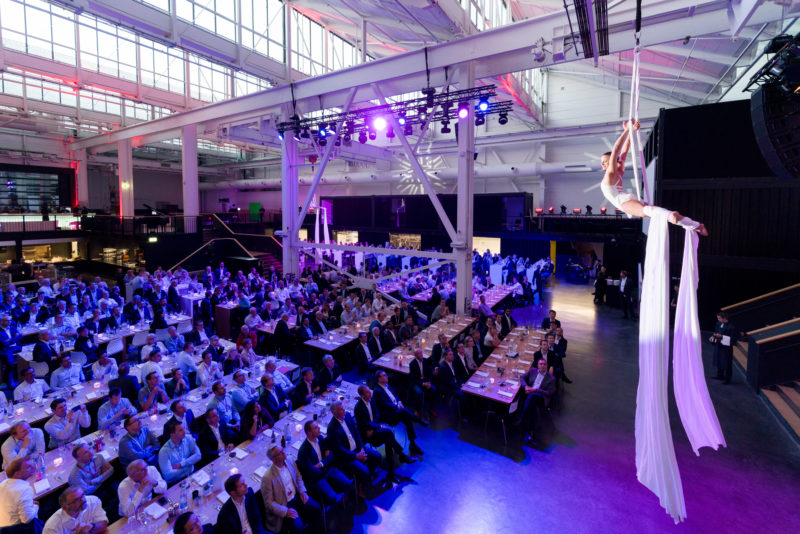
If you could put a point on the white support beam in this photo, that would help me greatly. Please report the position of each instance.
(739, 14)
(191, 194)
(125, 169)
(324, 163)
(414, 270)
(81, 177)
(289, 192)
(419, 171)
(379, 250)
(465, 197)
(498, 51)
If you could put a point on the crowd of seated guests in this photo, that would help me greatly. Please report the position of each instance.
(329, 470)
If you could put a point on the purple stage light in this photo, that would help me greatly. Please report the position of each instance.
(463, 113)
(379, 123)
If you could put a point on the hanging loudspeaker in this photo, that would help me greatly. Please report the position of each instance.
(776, 124)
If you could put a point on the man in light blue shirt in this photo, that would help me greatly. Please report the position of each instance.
(139, 443)
(177, 457)
(63, 427)
(223, 403)
(242, 392)
(114, 410)
(185, 360)
(174, 341)
(67, 374)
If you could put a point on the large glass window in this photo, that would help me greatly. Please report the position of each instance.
(262, 27)
(213, 15)
(23, 191)
(38, 28)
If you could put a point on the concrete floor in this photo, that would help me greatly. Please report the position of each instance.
(469, 482)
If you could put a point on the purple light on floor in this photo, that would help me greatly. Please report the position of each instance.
(463, 113)
(379, 123)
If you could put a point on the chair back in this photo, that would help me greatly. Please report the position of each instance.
(162, 334)
(115, 346)
(184, 326)
(41, 369)
(140, 338)
(78, 358)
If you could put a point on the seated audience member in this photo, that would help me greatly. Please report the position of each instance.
(374, 343)
(189, 523)
(31, 387)
(242, 392)
(507, 323)
(306, 389)
(78, 513)
(351, 455)
(463, 363)
(539, 387)
(175, 341)
(289, 508)
(315, 462)
(177, 457)
(139, 487)
(178, 385)
(271, 367)
(363, 355)
(64, 427)
(90, 472)
(330, 375)
(185, 359)
(273, 398)
(373, 432)
(392, 412)
(214, 437)
(152, 393)
(199, 335)
(216, 349)
(438, 349)
(84, 343)
(208, 371)
(114, 410)
(241, 512)
(126, 383)
(421, 379)
(255, 420)
(448, 382)
(223, 403)
(23, 441)
(149, 346)
(104, 369)
(17, 504)
(183, 415)
(67, 374)
(548, 322)
(153, 365)
(138, 443)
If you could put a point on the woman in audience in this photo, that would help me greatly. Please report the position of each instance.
(254, 421)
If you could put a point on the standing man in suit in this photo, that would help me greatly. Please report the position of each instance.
(315, 462)
(240, 513)
(393, 412)
(724, 338)
(286, 501)
(559, 345)
(626, 295)
(539, 387)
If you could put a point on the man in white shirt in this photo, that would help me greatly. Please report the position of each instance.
(104, 368)
(153, 366)
(208, 371)
(79, 513)
(17, 506)
(31, 387)
(63, 427)
(240, 513)
(139, 486)
(67, 374)
(271, 367)
(253, 319)
(149, 346)
(23, 441)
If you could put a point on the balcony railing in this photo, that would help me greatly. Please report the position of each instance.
(141, 226)
(36, 222)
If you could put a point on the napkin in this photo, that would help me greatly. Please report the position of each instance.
(481, 373)
(296, 444)
(42, 485)
(155, 510)
(487, 364)
(240, 453)
(320, 402)
(261, 471)
(297, 416)
(4, 427)
(92, 395)
(201, 477)
(473, 384)
(506, 393)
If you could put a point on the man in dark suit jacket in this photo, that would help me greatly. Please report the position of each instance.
(304, 331)
(84, 344)
(626, 295)
(214, 435)
(723, 349)
(350, 453)
(552, 359)
(273, 399)
(373, 432)
(283, 337)
(407, 330)
(306, 388)
(173, 298)
(329, 374)
(548, 322)
(228, 520)
(389, 339)
(95, 324)
(447, 382)
(198, 335)
(43, 351)
(560, 348)
(421, 380)
(113, 321)
(184, 416)
(392, 411)
(375, 344)
(438, 349)
(539, 387)
(507, 323)
(324, 481)
(129, 385)
(363, 355)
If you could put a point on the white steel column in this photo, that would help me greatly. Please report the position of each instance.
(125, 155)
(81, 177)
(191, 193)
(289, 204)
(464, 202)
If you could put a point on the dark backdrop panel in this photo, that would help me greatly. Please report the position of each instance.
(352, 211)
(535, 249)
(711, 141)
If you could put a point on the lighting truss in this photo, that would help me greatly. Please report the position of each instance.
(407, 112)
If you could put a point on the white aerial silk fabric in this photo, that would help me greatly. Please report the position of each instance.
(689, 381)
(656, 466)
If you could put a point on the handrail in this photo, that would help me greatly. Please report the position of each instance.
(208, 243)
(776, 338)
(765, 295)
(770, 327)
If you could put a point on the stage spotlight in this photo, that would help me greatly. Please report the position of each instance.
(503, 118)
(463, 110)
(550, 210)
(483, 105)
(372, 135)
(446, 127)
(603, 210)
(304, 134)
(338, 142)
(348, 138)
(480, 120)
(588, 209)
(429, 93)
(390, 132)
(563, 209)
(539, 211)
(409, 130)
(296, 135)
(322, 141)
(362, 137)
(379, 123)
(401, 120)
(280, 135)
(576, 211)
(322, 132)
